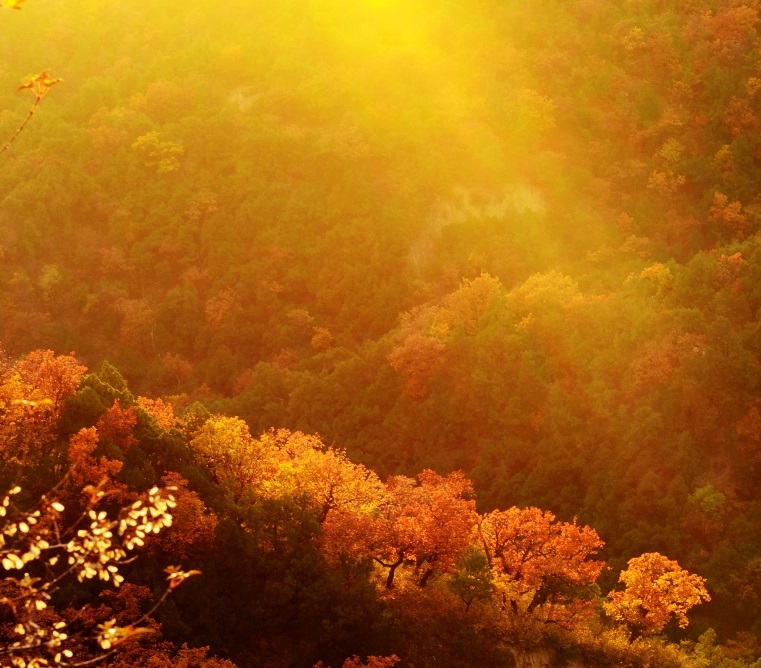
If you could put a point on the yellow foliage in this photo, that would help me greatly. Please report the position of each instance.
(659, 277)
(161, 156)
(724, 159)
(671, 151)
(634, 39)
(666, 182)
(542, 291)
(468, 304)
(657, 590)
(239, 463)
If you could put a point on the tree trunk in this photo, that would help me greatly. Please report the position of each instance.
(426, 575)
(391, 570)
(540, 597)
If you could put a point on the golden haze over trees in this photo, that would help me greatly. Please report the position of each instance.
(503, 257)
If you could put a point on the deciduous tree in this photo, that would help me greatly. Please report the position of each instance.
(427, 523)
(540, 563)
(325, 476)
(657, 590)
(237, 461)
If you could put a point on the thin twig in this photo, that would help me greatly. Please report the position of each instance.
(36, 104)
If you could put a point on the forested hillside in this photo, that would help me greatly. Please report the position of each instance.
(501, 254)
(299, 554)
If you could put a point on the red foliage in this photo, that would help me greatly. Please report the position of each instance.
(372, 662)
(117, 425)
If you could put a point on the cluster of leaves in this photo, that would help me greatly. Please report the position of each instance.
(92, 546)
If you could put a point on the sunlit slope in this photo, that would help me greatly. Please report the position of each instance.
(320, 133)
(635, 410)
(244, 197)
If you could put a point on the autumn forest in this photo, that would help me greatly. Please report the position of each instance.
(374, 333)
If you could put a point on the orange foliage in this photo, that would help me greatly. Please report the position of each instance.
(658, 359)
(221, 306)
(372, 662)
(428, 523)
(177, 366)
(657, 591)
(728, 214)
(539, 562)
(31, 392)
(106, 138)
(162, 655)
(113, 261)
(740, 117)
(322, 339)
(446, 519)
(415, 360)
(52, 377)
(23, 424)
(728, 271)
(469, 303)
(299, 318)
(159, 410)
(731, 31)
(286, 358)
(138, 317)
(87, 472)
